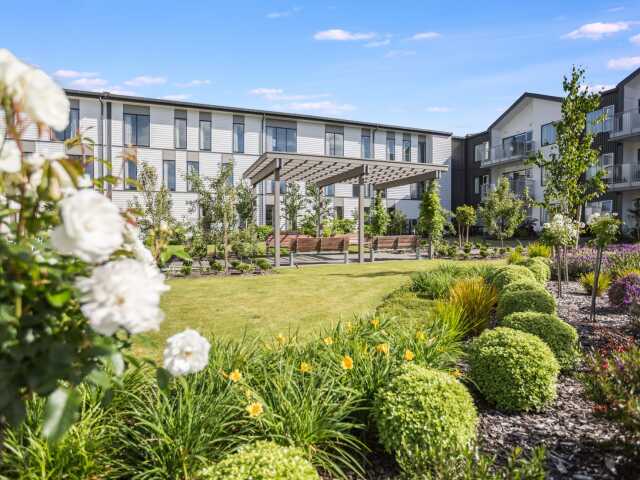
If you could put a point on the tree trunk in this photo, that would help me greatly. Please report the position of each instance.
(558, 270)
(579, 219)
(468, 228)
(460, 234)
(565, 264)
(225, 240)
(430, 247)
(596, 278)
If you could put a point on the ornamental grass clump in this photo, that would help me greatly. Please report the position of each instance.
(510, 273)
(423, 414)
(587, 280)
(262, 461)
(561, 337)
(535, 300)
(477, 299)
(538, 250)
(513, 370)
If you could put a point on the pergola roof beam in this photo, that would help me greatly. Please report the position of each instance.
(342, 177)
(407, 180)
(266, 172)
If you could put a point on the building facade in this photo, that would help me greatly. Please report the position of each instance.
(180, 138)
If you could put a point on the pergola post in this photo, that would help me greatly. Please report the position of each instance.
(361, 219)
(276, 214)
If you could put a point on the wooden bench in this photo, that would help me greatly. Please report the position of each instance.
(319, 245)
(394, 243)
(286, 240)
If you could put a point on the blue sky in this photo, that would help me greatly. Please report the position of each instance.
(451, 66)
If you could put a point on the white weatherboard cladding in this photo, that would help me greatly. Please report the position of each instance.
(162, 127)
(380, 145)
(311, 138)
(442, 155)
(193, 133)
(222, 131)
(252, 133)
(352, 138)
(181, 170)
(89, 113)
(116, 124)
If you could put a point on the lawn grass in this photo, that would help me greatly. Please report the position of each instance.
(289, 300)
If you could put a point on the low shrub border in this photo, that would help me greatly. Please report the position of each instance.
(535, 300)
(509, 274)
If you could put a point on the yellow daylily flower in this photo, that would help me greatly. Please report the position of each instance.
(408, 355)
(347, 362)
(254, 409)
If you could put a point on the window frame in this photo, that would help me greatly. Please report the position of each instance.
(365, 133)
(136, 129)
(238, 147)
(176, 135)
(331, 135)
(422, 149)
(200, 136)
(287, 132)
(391, 152)
(191, 163)
(128, 166)
(542, 137)
(165, 180)
(66, 134)
(406, 152)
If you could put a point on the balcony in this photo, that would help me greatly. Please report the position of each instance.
(511, 152)
(624, 176)
(519, 186)
(626, 124)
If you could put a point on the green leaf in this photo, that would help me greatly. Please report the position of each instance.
(163, 377)
(60, 413)
(99, 378)
(58, 299)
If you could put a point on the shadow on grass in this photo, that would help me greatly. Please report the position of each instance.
(389, 273)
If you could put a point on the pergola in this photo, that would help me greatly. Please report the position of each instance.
(326, 170)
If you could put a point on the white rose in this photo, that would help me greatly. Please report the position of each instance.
(11, 70)
(186, 352)
(135, 245)
(35, 161)
(44, 100)
(10, 158)
(92, 227)
(125, 294)
(85, 181)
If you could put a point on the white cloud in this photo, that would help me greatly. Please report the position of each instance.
(277, 94)
(601, 87)
(438, 109)
(635, 39)
(89, 83)
(597, 30)
(340, 35)
(378, 43)
(399, 53)
(144, 80)
(425, 36)
(624, 63)
(118, 90)
(193, 83)
(177, 96)
(615, 9)
(326, 107)
(73, 74)
(284, 13)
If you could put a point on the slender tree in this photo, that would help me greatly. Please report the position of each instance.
(379, 216)
(246, 205)
(432, 219)
(397, 222)
(502, 211)
(605, 229)
(318, 206)
(293, 204)
(567, 186)
(465, 216)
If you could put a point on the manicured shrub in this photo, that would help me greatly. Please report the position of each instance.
(262, 461)
(521, 285)
(621, 288)
(561, 337)
(539, 266)
(477, 299)
(263, 264)
(185, 269)
(509, 274)
(245, 267)
(537, 300)
(422, 414)
(514, 370)
(515, 257)
(538, 250)
(604, 282)
(216, 266)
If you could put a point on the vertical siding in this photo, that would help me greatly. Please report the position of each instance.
(414, 148)
(311, 138)
(352, 147)
(193, 123)
(116, 123)
(442, 155)
(222, 132)
(162, 127)
(209, 164)
(380, 151)
(252, 132)
(89, 112)
(181, 170)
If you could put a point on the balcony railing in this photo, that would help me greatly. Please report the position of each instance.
(626, 124)
(623, 175)
(510, 152)
(518, 186)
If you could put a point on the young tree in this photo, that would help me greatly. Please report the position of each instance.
(397, 222)
(432, 218)
(560, 232)
(605, 230)
(154, 213)
(292, 205)
(502, 212)
(465, 216)
(246, 205)
(319, 206)
(567, 187)
(379, 216)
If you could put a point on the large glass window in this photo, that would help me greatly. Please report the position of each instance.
(169, 176)
(271, 186)
(329, 191)
(130, 174)
(391, 146)
(365, 141)
(368, 189)
(606, 125)
(334, 141)
(238, 134)
(416, 190)
(547, 134)
(282, 139)
(205, 131)
(136, 130)
(180, 128)
(481, 152)
(517, 144)
(74, 125)
(406, 147)
(193, 169)
(422, 149)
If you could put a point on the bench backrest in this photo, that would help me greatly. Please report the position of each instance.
(286, 240)
(334, 244)
(407, 241)
(305, 245)
(395, 242)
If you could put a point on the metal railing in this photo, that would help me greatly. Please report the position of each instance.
(519, 186)
(620, 175)
(510, 152)
(626, 123)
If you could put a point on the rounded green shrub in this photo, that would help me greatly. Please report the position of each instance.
(561, 337)
(539, 267)
(423, 414)
(514, 370)
(520, 285)
(262, 461)
(509, 274)
(535, 300)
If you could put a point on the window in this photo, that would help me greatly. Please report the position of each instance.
(339, 212)
(329, 191)
(281, 136)
(193, 169)
(169, 174)
(480, 183)
(365, 141)
(131, 174)
(180, 128)
(406, 147)
(205, 131)
(238, 134)
(270, 186)
(226, 164)
(74, 123)
(368, 188)
(519, 144)
(89, 170)
(476, 185)
(606, 125)
(422, 149)
(416, 191)
(334, 141)
(136, 127)
(481, 152)
(391, 146)
(548, 134)
(268, 215)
